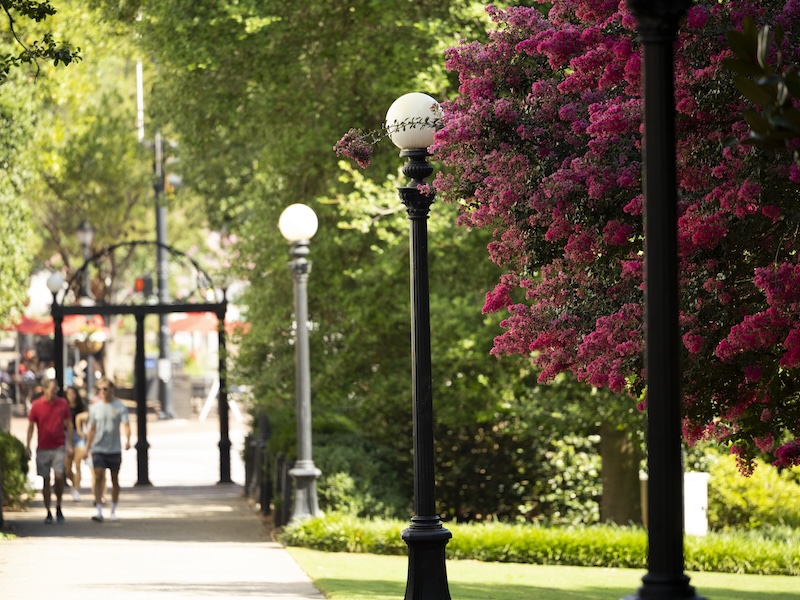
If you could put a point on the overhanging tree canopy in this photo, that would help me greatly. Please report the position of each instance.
(544, 147)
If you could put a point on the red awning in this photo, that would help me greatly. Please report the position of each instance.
(204, 322)
(71, 325)
(32, 326)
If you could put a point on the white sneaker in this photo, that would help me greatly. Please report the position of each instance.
(76, 495)
(114, 518)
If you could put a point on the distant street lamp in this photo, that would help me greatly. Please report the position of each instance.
(298, 224)
(411, 122)
(85, 235)
(55, 283)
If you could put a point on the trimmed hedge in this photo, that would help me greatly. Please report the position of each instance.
(774, 552)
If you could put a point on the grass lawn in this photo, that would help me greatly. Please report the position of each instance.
(343, 576)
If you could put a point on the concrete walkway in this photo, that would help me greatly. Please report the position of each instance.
(185, 536)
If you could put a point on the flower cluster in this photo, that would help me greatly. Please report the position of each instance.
(356, 145)
(90, 333)
(543, 148)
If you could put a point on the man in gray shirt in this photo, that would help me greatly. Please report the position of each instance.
(105, 445)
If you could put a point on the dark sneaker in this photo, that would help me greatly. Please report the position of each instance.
(49, 519)
(60, 516)
(97, 519)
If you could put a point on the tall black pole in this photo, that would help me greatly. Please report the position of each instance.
(658, 22)
(304, 472)
(58, 342)
(426, 537)
(224, 425)
(164, 370)
(140, 378)
(86, 293)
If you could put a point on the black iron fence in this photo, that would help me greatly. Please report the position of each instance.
(267, 480)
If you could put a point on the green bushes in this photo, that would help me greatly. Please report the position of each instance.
(14, 464)
(354, 480)
(347, 533)
(776, 552)
(767, 497)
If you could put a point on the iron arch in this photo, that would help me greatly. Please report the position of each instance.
(140, 311)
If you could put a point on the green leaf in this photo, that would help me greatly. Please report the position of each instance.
(754, 92)
(778, 35)
(782, 94)
(741, 47)
(763, 47)
(793, 83)
(743, 67)
(792, 118)
(757, 123)
(750, 31)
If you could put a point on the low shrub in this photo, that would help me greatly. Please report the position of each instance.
(776, 552)
(14, 464)
(354, 479)
(768, 497)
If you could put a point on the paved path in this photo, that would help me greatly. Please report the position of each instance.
(183, 537)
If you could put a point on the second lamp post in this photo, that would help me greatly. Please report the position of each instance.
(298, 224)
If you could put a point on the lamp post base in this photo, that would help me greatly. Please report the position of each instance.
(427, 574)
(665, 588)
(225, 461)
(305, 492)
(143, 468)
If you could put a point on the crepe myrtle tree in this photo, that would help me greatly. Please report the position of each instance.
(543, 147)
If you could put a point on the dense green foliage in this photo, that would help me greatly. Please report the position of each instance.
(14, 465)
(258, 93)
(607, 546)
(15, 231)
(767, 498)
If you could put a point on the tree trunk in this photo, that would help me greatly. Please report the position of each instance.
(621, 501)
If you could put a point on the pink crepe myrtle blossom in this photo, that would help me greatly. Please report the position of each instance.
(542, 147)
(355, 145)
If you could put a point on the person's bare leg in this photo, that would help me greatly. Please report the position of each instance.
(59, 487)
(115, 489)
(47, 492)
(68, 474)
(76, 473)
(99, 490)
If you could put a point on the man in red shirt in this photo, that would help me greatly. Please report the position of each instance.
(51, 415)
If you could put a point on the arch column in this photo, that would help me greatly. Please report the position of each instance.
(140, 388)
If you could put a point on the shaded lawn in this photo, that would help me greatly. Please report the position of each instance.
(342, 576)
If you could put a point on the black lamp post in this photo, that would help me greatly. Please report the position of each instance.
(55, 283)
(164, 370)
(658, 22)
(85, 235)
(298, 224)
(410, 123)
